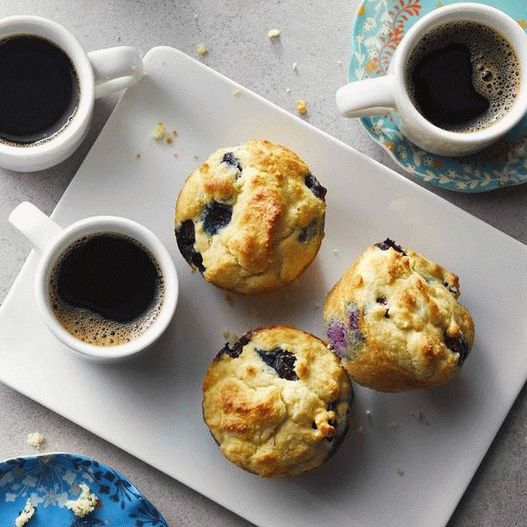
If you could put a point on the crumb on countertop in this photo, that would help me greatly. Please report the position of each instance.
(26, 514)
(301, 106)
(336, 252)
(273, 33)
(138, 156)
(236, 92)
(202, 50)
(84, 504)
(176, 156)
(169, 140)
(392, 424)
(400, 472)
(159, 132)
(288, 90)
(360, 429)
(36, 440)
(418, 415)
(295, 66)
(196, 157)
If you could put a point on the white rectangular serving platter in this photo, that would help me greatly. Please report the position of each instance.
(152, 407)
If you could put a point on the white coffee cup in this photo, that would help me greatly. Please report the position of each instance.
(389, 92)
(99, 73)
(51, 241)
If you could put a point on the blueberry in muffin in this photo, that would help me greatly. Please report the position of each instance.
(277, 401)
(395, 320)
(251, 218)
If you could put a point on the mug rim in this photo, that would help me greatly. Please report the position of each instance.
(491, 133)
(61, 37)
(117, 225)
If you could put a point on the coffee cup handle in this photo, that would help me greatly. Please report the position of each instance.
(115, 69)
(366, 97)
(38, 228)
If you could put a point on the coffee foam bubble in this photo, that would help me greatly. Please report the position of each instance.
(91, 327)
(495, 65)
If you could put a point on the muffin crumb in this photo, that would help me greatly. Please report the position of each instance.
(273, 33)
(26, 514)
(400, 472)
(418, 415)
(301, 106)
(159, 132)
(36, 440)
(236, 92)
(360, 430)
(85, 504)
(294, 66)
(169, 140)
(202, 50)
(138, 156)
(288, 90)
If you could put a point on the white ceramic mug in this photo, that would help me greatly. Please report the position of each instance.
(99, 73)
(51, 241)
(387, 93)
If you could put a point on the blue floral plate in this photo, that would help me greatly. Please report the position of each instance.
(49, 480)
(379, 27)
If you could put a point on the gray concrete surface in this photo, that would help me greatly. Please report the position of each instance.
(315, 34)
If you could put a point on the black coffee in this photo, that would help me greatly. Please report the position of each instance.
(106, 289)
(463, 76)
(39, 90)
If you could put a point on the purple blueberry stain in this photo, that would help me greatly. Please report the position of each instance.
(390, 244)
(315, 187)
(281, 360)
(235, 349)
(338, 337)
(458, 345)
(216, 215)
(186, 238)
(354, 315)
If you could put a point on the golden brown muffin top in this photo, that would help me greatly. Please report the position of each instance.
(277, 401)
(395, 320)
(254, 216)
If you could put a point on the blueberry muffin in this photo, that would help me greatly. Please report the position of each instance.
(395, 321)
(251, 218)
(277, 401)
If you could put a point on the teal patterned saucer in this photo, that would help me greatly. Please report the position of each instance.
(378, 28)
(48, 481)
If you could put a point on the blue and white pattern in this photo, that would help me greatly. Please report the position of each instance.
(49, 480)
(379, 26)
